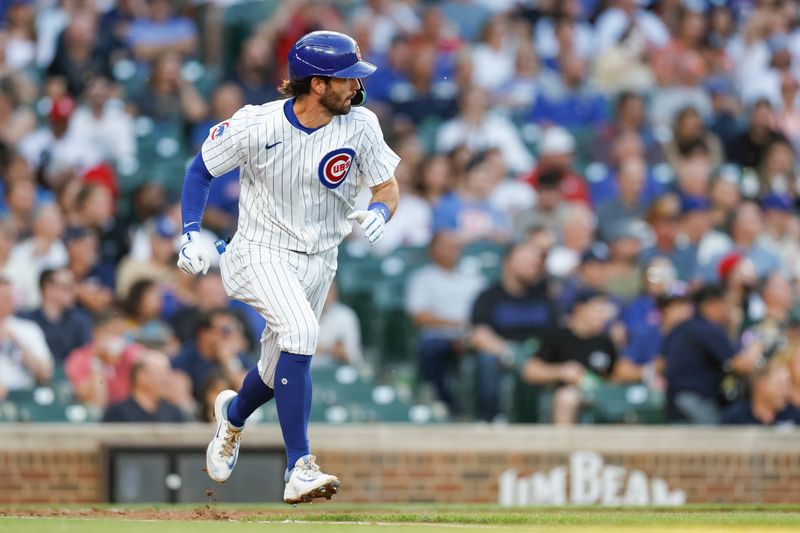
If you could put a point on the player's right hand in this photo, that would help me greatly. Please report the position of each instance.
(193, 258)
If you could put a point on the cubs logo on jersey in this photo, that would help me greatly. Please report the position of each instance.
(335, 167)
(217, 131)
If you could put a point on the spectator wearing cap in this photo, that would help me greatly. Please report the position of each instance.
(725, 108)
(150, 380)
(781, 231)
(158, 30)
(438, 300)
(467, 210)
(568, 99)
(160, 265)
(65, 326)
(698, 354)
(102, 121)
(508, 313)
(470, 128)
(749, 147)
(697, 229)
(556, 153)
(95, 281)
(41, 251)
(769, 402)
(569, 352)
(625, 245)
(99, 371)
(79, 53)
(25, 359)
(664, 219)
(548, 212)
(627, 204)
(592, 273)
(745, 228)
(219, 345)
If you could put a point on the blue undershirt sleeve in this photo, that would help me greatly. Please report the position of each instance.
(195, 193)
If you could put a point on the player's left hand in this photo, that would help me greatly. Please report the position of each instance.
(371, 221)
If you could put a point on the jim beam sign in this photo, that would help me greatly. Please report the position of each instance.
(591, 482)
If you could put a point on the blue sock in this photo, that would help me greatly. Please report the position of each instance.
(253, 394)
(293, 399)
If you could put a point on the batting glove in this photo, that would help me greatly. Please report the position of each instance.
(372, 221)
(193, 258)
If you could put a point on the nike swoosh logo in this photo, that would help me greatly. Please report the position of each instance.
(188, 224)
(273, 145)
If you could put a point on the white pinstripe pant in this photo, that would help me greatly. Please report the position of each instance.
(287, 288)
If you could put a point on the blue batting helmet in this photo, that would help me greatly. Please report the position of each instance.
(329, 54)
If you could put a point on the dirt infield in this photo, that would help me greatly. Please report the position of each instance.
(201, 512)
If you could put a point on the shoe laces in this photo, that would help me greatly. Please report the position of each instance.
(230, 442)
(311, 465)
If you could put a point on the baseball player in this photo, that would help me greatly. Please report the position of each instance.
(301, 162)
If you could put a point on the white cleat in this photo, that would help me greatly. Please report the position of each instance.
(223, 450)
(307, 482)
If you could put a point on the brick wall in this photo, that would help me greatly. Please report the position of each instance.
(63, 463)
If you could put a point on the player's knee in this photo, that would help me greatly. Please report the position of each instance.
(302, 341)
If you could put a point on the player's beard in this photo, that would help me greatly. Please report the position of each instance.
(332, 103)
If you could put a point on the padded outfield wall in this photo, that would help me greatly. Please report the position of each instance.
(511, 465)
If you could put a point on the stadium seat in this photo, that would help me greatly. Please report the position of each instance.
(618, 404)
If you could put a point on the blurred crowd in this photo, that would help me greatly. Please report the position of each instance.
(634, 161)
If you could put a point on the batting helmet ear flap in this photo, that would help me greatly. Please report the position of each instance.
(361, 95)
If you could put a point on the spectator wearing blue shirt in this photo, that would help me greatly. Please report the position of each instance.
(505, 315)
(641, 316)
(390, 84)
(746, 227)
(219, 345)
(161, 31)
(65, 326)
(468, 212)
(567, 100)
(698, 354)
(627, 204)
(664, 219)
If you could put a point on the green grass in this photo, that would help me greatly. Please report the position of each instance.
(423, 518)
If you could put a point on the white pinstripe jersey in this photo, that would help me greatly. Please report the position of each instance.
(297, 185)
